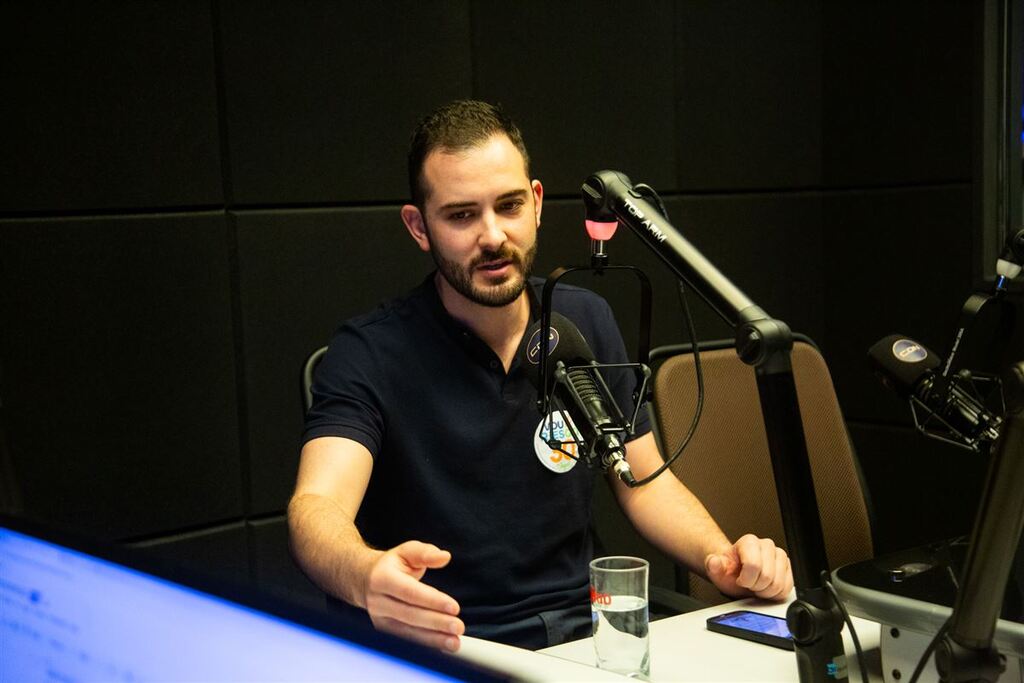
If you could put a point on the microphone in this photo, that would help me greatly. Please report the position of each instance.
(580, 390)
(953, 413)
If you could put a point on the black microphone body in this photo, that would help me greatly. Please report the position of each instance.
(579, 387)
(911, 370)
(580, 390)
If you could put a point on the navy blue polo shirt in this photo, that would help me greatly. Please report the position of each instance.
(452, 437)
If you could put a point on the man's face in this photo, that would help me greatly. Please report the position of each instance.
(480, 220)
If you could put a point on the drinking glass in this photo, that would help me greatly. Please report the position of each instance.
(618, 606)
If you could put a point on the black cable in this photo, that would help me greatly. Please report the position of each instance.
(700, 395)
(926, 655)
(692, 332)
(861, 662)
(645, 189)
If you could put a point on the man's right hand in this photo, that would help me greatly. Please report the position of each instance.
(333, 475)
(399, 603)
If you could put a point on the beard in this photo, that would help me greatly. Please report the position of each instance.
(494, 296)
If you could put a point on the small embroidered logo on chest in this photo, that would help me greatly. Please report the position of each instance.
(564, 457)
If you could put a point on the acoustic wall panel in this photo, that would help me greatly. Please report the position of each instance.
(589, 83)
(322, 96)
(119, 371)
(748, 94)
(898, 92)
(921, 490)
(275, 571)
(108, 104)
(302, 273)
(897, 263)
(221, 553)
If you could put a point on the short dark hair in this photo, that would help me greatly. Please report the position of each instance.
(457, 126)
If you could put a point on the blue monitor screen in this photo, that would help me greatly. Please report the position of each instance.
(70, 616)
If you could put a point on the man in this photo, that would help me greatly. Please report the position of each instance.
(419, 480)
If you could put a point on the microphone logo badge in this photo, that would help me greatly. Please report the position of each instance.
(533, 346)
(909, 351)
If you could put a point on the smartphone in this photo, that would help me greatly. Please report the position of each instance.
(760, 628)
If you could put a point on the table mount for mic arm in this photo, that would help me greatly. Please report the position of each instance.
(599, 264)
(766, 344)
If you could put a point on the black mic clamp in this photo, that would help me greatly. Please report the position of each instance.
(603, 442)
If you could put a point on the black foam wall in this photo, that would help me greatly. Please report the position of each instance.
(193, 195)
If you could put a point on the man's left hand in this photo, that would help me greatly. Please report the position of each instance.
(751, 566)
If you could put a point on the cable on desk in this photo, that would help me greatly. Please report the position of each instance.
(861, 662)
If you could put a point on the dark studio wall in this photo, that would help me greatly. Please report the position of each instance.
(194, 194)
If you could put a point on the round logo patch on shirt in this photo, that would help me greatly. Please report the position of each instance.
(554, 427)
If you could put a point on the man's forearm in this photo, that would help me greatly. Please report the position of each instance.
(329, 549)
(670, 517)
(665, 512)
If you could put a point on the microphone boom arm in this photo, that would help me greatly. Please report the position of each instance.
(967, 651)
(766, 344)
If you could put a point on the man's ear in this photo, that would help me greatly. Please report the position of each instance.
(538, 198)
(417, 227)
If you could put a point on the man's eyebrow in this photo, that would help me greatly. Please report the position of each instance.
(466, 205)
(456, 205)
(512, 193)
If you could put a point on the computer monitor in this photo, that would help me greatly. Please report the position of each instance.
(75, 611)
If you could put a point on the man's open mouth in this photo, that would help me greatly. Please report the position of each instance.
(494, 265)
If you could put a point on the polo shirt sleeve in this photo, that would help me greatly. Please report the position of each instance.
(346, 392)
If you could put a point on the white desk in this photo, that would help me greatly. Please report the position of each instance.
(682, 649)
(527, 665)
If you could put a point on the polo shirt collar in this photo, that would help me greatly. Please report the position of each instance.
(462, 334)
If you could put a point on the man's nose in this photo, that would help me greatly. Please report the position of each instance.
(492, 235)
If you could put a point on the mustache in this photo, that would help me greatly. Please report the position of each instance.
(505, 253)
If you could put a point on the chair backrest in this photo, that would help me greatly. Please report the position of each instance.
(727, 464)
(308, 368)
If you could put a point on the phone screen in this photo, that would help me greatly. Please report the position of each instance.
(752, 621)
(760, 628)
